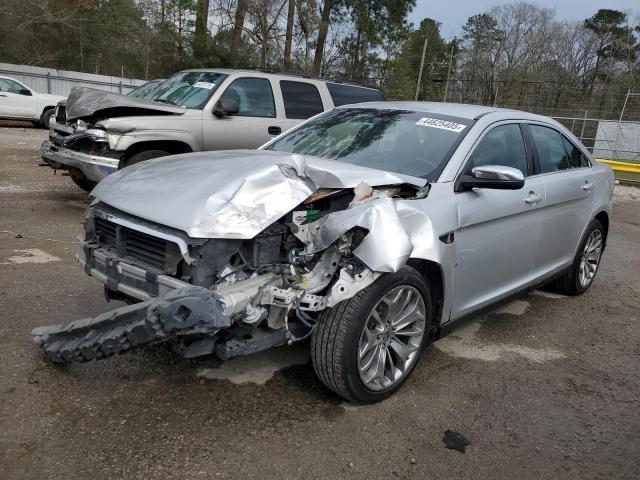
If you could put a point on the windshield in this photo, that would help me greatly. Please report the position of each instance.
(146, 90)
(400, 141)
(188, 89)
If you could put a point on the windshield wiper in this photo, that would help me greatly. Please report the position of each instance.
(162, 100)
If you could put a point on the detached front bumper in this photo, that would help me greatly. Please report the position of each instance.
(95, 168)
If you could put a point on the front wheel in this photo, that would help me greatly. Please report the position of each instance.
(144, 155)
(46, 117)
(81, 181)
(586, 262)
(365, 347)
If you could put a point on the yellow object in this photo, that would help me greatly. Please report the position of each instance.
(621, 166)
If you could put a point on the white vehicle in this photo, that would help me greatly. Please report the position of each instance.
(19, 102)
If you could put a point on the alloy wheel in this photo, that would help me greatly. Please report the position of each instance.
(391, 337)
(590, 258)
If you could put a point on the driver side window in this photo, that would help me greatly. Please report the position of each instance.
(502, 145)
(10, 86)
(254, 96)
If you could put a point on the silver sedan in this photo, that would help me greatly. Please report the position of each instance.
(370, 229)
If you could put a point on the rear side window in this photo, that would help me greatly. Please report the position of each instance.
(301, 100)
(254, 95)
(346, 94)
(576, 158)
(551, 153)
(503, 145)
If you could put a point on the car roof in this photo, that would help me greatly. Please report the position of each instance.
(284, 75)
(461, 110)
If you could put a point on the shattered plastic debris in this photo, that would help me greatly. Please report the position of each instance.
(455, 441)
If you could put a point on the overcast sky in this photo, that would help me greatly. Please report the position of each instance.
(453, 14)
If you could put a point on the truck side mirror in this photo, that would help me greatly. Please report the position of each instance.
(226, 106)
(26, 91)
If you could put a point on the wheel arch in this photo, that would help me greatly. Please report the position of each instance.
(46, 107)
(172, 146)
(434, 276)
(603, 218)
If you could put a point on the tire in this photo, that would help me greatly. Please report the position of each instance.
(142, 156)
(81, 181)
(572, 283)
(46, 117)
(340, 336)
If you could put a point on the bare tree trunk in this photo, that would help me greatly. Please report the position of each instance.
(201, 34)
(289, 35)
(236, 35)
(322, 36)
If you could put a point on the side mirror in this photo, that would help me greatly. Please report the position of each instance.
(226, 106)
(26, 91)
(494, 176)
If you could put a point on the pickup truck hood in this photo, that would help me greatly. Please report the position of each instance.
(230, 194)
(85, 102)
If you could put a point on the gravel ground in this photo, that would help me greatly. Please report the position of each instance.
(545, 387)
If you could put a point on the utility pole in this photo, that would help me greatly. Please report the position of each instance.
(624, 106)
(446, 85)
(424, 51)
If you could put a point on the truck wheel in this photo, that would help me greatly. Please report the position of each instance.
(364, 348)
(80, 180)
(586, 262)
(46, 117)
(144, 155)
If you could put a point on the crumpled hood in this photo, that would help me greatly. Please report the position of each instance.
(84, 102)
(230, 194)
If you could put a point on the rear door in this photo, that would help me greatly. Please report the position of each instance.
(301, 100)
(499, 230)
(14, 102)
(568, 181)
(259, 119)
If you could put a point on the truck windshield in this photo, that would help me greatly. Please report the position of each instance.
(188, 89)
(400, 141)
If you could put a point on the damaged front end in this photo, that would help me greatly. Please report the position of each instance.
(243, 278)
(83, 138)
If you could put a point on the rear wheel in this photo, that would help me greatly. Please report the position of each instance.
(144, 155)
(586, 262)
(364, 348)
(46, 117)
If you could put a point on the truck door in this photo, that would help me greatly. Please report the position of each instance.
(256, 122)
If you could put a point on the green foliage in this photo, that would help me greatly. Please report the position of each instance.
(406, 65)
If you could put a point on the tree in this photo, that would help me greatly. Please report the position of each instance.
(238, 26)
(325, 18)
(289, 35)
(406, 64)
(201, 35)
(615, 41)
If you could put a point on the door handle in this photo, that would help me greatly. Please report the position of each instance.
(2, 95)
(587, 186)
(274, 130)
(533, 198)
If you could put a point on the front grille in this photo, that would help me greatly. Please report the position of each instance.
(131, 243)
(61, 114)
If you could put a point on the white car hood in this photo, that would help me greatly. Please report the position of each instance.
(230, 194)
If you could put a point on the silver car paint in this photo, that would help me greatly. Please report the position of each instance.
(500, 239)
(232, 194)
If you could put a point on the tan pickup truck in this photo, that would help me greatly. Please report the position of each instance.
(95, 133)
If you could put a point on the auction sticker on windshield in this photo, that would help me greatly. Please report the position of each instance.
(441, 124)
(207, 85)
